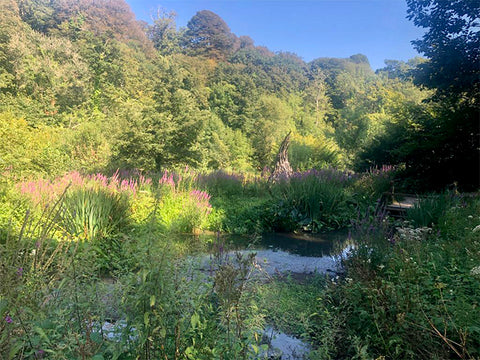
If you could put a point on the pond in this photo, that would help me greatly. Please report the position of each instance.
(283, 253)
(276, 255)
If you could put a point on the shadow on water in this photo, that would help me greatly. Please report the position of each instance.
(303, 244)
(316, 245)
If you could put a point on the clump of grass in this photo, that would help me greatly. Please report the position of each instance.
(181, 207)
(320, 196)
(94, 214)
(429, 209)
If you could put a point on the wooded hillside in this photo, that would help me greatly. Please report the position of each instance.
(86, 86)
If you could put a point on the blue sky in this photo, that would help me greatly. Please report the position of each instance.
(310, 28)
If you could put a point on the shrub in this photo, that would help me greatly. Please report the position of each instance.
(182, 208)
(370, 185)
(422, 285)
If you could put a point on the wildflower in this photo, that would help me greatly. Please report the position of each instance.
(8, 319)
(20, 272)
(40, 354)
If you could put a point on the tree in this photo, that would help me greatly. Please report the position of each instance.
(39, 14)
(163, 32)
(10, 24)
(400, 69)
(273, 119)
(209, 35)
(452, 45)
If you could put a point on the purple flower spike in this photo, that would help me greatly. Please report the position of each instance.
(20, 272)
(8, 319)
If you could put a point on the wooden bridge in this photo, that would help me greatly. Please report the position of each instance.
(397, 204)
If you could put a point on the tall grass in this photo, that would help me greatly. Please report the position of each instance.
(98, 206)
(94, 214)
(319, 196)
(221, 183)
(31, 264)
(428, 210)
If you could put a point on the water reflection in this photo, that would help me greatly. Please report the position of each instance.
(311, 245)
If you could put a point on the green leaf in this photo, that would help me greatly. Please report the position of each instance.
(96, 337)
(195, 320)
(42, 334)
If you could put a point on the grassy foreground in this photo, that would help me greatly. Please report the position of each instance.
(79, 252)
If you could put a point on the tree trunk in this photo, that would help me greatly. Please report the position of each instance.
(282, 169)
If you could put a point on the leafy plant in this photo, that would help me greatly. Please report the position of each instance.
(98, 217)
(429, 209)
(411, 285)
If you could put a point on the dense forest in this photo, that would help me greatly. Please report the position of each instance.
(86, 86)
(140, 217)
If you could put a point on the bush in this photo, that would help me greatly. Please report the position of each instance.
(370, 186)
(420, 284)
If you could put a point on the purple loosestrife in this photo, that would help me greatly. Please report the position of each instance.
(167, 179)
(42, 192)
(143, 181)
(202, 200)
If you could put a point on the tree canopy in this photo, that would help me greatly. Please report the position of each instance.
(109, 92)
(451, 43)
(207, 34)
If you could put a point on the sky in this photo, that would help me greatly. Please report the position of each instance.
(309, 28)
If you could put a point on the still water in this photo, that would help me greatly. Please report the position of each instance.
(279, 253)
(302, 244)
